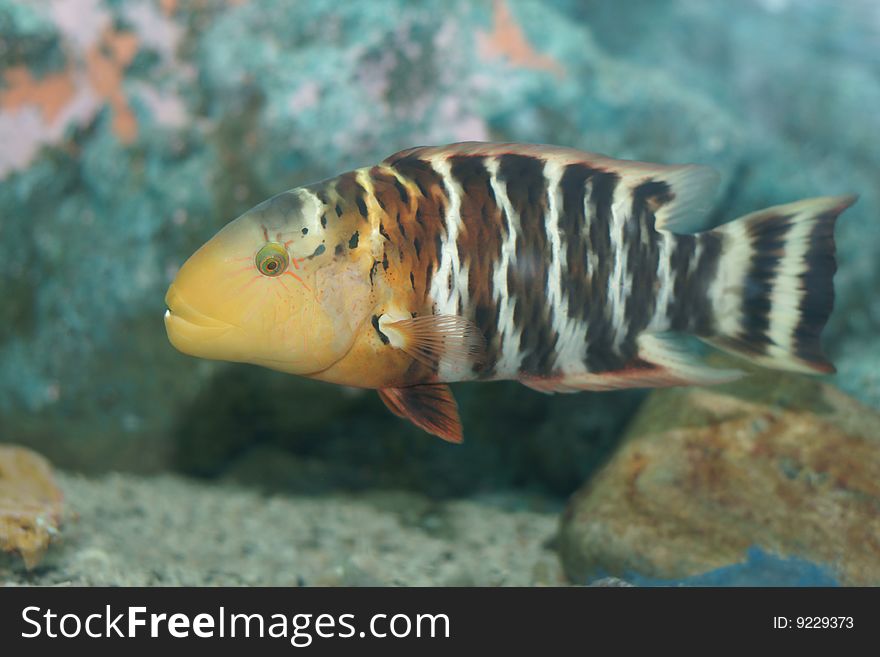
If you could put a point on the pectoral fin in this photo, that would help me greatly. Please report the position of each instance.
(447, 341)
(430, 407)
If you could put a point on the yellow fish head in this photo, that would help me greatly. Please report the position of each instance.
(268, 290)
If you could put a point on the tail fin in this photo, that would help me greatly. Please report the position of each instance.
(773, 292)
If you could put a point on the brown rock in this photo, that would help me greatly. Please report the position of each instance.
(30, 504)
(783, 462)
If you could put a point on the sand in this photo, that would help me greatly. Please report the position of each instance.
(125, 530)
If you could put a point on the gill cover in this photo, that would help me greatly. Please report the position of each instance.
(265, 290)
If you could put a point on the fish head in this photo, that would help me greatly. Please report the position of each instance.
(267, 290)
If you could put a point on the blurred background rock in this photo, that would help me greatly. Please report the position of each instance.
(130, 131)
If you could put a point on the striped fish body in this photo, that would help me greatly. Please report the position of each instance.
(561, 269)
(554, 256)
(565, 262)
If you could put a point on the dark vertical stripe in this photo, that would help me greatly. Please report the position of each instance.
(683, 251)
(702, 312)
(767, 239)
(479, 249)
(426, 179)
(817, 281)
(600, 338)
(573, 234)
(642, 244)
(391, 195)
(526, 190)
(421, 219)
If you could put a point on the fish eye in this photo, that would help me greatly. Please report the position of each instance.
(272, 259)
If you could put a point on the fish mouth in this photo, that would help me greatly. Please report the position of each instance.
(180, 310)
(192, 332)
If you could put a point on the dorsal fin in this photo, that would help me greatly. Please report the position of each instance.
(682, 193)
(691, 188)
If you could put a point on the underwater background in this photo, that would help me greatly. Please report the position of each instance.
(132, 130)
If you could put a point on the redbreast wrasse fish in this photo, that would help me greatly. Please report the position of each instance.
(561, 269)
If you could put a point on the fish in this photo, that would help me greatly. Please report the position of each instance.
(562, 269)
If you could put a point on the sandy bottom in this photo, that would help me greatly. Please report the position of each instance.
(131, 531)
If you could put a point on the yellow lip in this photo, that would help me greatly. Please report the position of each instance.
(192, 332)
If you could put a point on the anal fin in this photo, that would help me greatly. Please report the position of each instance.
(661, 363)
(430, 406)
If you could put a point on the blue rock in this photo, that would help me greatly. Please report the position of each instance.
(759, 568)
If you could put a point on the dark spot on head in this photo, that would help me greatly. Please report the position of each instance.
(305, 231)
(338, 250)
(323, 221)
(417, 246)
(385, 261)
(338, 210)
(412, 281)
(318, 251)
(373, 270)
(362, 207)
(353, 242)
(382, 336)
(383, 232)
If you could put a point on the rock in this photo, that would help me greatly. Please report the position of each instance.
(30, 504)
(610, 582)
(758, 569)
(784, 463)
